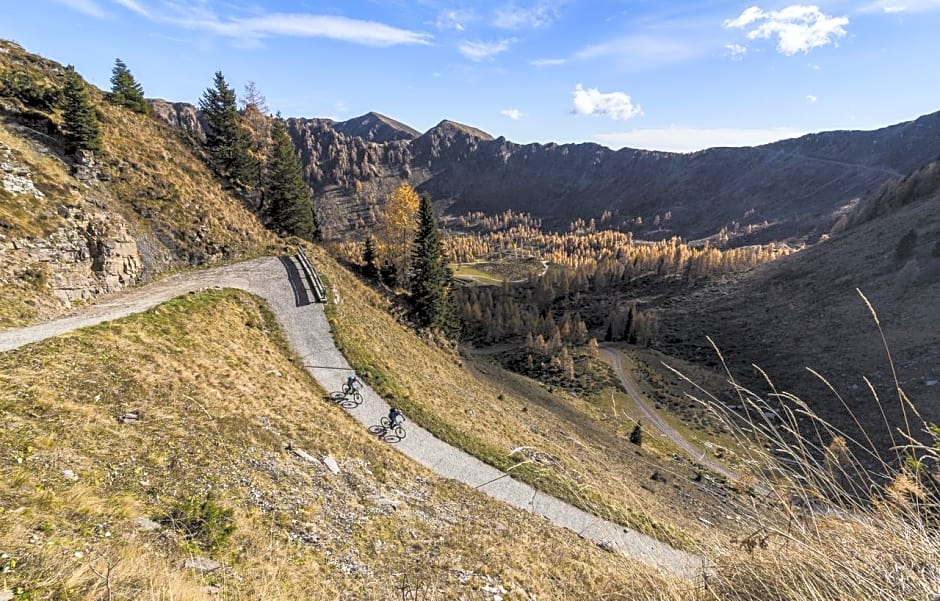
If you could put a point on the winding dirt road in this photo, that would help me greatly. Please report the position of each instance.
(659, 424)
(278, 282)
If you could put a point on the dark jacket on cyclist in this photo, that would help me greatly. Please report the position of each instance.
(395, 416)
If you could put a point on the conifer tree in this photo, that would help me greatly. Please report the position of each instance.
(125, 91)
(79, 120)
(286, 193)
(228, 142)
(431, 303)
(369, 267)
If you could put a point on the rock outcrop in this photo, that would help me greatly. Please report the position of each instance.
(179, 115)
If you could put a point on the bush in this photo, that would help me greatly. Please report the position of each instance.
(26, 88)
(203, 522)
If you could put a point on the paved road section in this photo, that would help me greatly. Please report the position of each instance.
(307, 330)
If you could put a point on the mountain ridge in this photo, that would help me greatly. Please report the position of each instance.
(787, 190)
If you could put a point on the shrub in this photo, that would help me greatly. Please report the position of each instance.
(203, 521)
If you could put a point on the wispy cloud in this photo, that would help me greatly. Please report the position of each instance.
(134, 6)
(676, 139)
(902, 6)
(456, 19)
(548, 62)
(811, 99)
(481, 51)
(615, 105)
(644, 50)
(538, 15)
(736, 51)
(88, 7)
(368, 33)
(514, 114)
(248, 31)
(798, 28)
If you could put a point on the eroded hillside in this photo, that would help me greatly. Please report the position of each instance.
(75, 227)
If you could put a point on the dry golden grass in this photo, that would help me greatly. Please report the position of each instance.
(220, 399)
(580, 459)
(161, 183)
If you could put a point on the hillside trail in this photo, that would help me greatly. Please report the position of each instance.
(278, 281)
(659, 424)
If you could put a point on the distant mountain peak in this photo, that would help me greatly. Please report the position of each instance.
(376, 127)
(449, 127)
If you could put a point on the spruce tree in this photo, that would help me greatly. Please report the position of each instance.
(79, 120)
(286, 193)
(125, 91)
(369, 256)
(228, 141)
(431, 302)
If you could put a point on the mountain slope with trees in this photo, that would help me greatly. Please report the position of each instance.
(136, 201)
(789, 189)
(805, 311)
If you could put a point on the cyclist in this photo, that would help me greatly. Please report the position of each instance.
(352, 384)
(395, 417)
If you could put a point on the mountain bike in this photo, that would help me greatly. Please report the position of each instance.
(396, 429)
(356, 395)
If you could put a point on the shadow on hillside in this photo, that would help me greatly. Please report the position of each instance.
(301, 297)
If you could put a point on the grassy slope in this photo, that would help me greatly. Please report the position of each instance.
(804, 311)
(221, 398)
(156, 183)
(579, 452)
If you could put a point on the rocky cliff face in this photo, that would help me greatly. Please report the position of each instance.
(795, 188)
(179, 115)
(86, 250)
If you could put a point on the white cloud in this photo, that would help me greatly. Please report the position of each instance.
(454, 19)
(514, 114)
(134, 6)
(736, 51)
(368, 33)
(88, 7)
(811, 99)
(548, 62)
(798, 28)
(675, 139)
(902, 6)
(539, 15)
(481, 51)
(615, 105)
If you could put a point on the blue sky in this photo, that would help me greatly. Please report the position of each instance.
(673, 76)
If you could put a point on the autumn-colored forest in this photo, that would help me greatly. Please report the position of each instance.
(597, 286)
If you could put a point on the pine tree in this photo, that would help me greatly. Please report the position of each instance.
(430, 281)
(79, 120)
(228, 142)
(125, 91)
(286, 193)
(369, 256)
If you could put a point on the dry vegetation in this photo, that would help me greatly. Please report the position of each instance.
(219, 399)
(575, 448)
(151, 182)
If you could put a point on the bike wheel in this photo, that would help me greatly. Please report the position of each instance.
(386, 423)
(345, 389)
(357, 397)
(399, 432)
